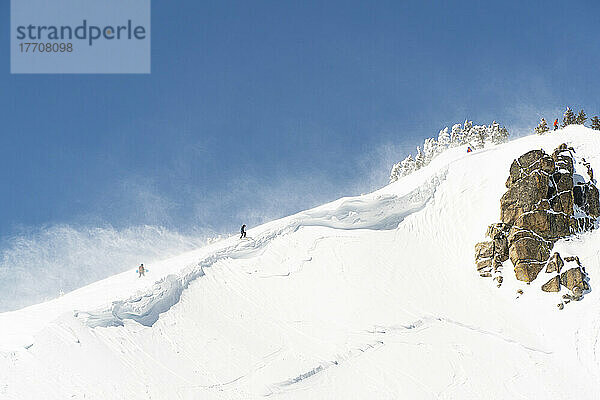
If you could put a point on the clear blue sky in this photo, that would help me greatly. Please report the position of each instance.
(259, 109)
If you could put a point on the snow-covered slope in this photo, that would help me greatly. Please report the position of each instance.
(369, 297)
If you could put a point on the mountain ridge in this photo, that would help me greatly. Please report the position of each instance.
(373, 296)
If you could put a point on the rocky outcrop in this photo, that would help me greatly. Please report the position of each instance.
(538, 208)
(574, 279)
(542, 204)
(528, 253)
(553, 285)
(573, 259)
(484, 252)
(555, 264)
(490, 255)
(585, 196)
(590, 171)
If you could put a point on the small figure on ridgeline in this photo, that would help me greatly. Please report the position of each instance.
(469, 149)
(141, 271)
(243, 232)
(556, 124)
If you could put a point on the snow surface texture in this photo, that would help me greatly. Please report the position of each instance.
(38, 267)
(375, 296)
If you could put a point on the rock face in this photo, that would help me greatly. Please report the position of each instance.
(542, 204)
(484, 252)
(538, 207)
(590, 171)
(573, 258)
(553, 285)
(555, 264)
(537, 184)
(491, 254)
(574, 279)
(585, 196)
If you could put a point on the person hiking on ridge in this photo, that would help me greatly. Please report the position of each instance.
(243, 231)
(556, 124)
(141, 271)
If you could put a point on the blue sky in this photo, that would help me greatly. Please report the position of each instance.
(256, 110)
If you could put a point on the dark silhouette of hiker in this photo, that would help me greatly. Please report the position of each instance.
(243, 232)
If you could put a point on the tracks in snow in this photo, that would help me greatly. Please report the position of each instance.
(380, 335)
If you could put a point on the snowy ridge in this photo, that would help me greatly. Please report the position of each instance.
(383, 212)
(374, 296)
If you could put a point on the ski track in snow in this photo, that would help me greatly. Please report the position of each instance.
(428, 322)
(288, 384)
(384, 212)
(380, 332)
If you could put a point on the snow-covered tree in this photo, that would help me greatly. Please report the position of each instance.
(479, 133)
(403, 168)
(595, 123)
(396, 172)
(581, 118)
(430, 149)
(408, 165)
(568, 117)
(443, 140)
(476, 135)
(419, 159)
(456, 137)
(497, 134)
(467, 125)
(542, 127)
